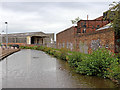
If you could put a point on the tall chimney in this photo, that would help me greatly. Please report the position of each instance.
(87, 17)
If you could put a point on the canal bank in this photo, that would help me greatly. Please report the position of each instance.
(36, 69)
(6, 52)
(100, 63)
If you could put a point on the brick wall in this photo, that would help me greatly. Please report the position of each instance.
(86, 42)
(85, 26)
(65, 39)
(91, 41)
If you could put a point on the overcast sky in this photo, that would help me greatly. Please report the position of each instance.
(48, 17)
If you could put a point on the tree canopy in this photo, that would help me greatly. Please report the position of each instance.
(75, 21)
(115, 19)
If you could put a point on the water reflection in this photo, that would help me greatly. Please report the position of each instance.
(35, 69)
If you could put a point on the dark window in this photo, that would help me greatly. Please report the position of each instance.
(98, 26)
(81, 24)
(79, 30)
(84, 26)
(82, 31)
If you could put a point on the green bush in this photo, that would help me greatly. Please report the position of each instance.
(74, 59)
(57, 54)
(114, 71)
(63, 53)
(118, 56)
(97, 63)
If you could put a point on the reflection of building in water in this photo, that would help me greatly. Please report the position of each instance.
(38, 38)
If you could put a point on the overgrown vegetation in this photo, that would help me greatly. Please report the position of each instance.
(114, 16)
(101, 62)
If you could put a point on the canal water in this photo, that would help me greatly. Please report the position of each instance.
(35, 69)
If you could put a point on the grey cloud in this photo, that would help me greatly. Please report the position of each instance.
(49, 16)
(33, 6)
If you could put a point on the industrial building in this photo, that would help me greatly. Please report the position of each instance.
(89, 35)
(36, 38)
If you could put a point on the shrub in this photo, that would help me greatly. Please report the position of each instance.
(34, 47)
(22, 47)
(52, 52)
(114, 71)
(64, 53)
(47, 50)
(118, 56)
(97, 63)
(74, 59)
(57, 54)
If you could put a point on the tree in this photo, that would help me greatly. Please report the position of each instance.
(114, 16)
(76, 20)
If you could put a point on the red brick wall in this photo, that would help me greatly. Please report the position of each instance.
(91, 25)
(86, 42)
(91, 41)
(65, 39)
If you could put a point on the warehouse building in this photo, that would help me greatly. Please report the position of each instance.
(37, 38)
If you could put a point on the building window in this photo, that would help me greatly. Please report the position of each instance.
(79, 30)
(84, 26)
(81, 24)
(84, 30)
(98, 26)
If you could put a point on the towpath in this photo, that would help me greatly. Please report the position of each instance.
(6, 52)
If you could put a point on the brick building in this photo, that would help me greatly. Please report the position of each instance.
(89, 35)
(85, 26)
(66, 38)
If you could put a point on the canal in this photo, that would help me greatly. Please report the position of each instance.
(35, 69)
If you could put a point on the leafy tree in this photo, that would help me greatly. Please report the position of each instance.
(114, 16)
(76, 20)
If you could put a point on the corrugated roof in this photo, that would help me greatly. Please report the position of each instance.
(27, 34)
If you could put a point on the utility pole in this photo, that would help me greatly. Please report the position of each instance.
(2, 37)
(6, 24)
